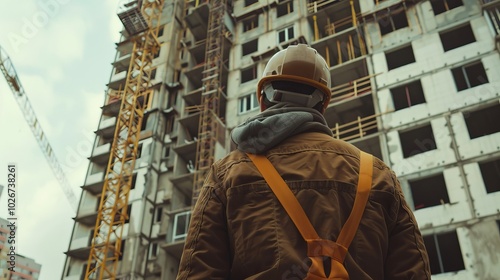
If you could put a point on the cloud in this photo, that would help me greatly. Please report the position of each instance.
(75, 154)
(63, 65)
(42, 37)
(115, 26)
(70, 29)
(46, 201)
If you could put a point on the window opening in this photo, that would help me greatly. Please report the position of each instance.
(169, 124)
(122, 250)
(250, 2)
(430, 191)
(444, 252)
(250, 23)
(400, 57)
(441, 6)
(284, 9)
(91, 237)
(490, 171)
(483, 122)
(392, 22)
(285, 34)
(153, 250)
(457, 37)
(134, 180)
(159, 214)
(144, 121)
(417, 141)
(181, 224)
(250, 47)
(469, 76)
(84, 270)
(248, 74)
(407, 95)
(248, 103)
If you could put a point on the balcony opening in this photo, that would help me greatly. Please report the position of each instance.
(129, 211)
(483, 122)
(139, 151)
(441, 6)
(169, 124)
(392, 22)
(353, 119)
(166, 154)
(84, 270)
(156, 54)
(428, 192)
(98, 200)
(120, 68)
(68, 271)
(153, 250)
(153, 74)
(144, 123)
(250, 23)
(284, 9)
(91, 238)
(134, 180)
(490, 171)
(172, 98)
(103, 139)
(249, 74)
(407, 95)
(399, 57)
(159, 214)
(457, 37)
(444, 252)
(417, 141)
(494, 17)
(122, 250)
(250, 47)
(469, 76)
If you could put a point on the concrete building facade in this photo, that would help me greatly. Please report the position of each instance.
(415, 83)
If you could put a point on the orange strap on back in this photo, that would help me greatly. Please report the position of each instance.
(317, 247)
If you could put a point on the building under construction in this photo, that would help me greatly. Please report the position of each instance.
(415, 83)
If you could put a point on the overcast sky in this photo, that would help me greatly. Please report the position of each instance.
(62, 51)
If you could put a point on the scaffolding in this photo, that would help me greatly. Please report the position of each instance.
(142, 22)
(210, 98)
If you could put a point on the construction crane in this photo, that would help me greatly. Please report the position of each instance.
(210, 98)
(142, 23)
(9, 72)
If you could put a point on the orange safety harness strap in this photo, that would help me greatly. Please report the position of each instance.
(317, 247)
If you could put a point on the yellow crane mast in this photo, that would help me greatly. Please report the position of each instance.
(9, 72)
(210, 98)
(142, 23)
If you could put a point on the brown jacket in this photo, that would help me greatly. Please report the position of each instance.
(239, 230)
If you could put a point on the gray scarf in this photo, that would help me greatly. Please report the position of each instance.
(275, 124)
